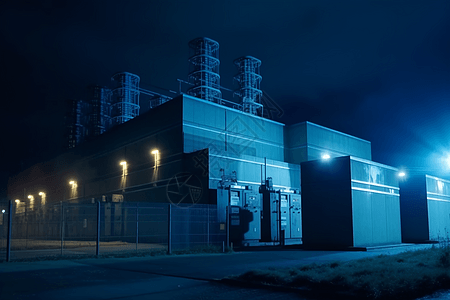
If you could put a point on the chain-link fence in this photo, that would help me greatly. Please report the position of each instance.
(73, 229)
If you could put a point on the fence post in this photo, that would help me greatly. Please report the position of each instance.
(228, 226)
(26, 227)
(62, 227)
(208, 226)
(97, 248)
(169, 246)
(137, 226)
(8, 238)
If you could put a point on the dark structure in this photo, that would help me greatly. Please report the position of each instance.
(425, 209)
(349, 202)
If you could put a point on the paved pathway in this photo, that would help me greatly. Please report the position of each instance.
(171, 277)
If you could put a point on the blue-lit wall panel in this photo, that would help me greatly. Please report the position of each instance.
(228, 132)
(438, 202)
(349, 202)
(307, 141)
(376, 204)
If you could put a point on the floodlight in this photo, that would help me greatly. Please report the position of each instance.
(326, 156)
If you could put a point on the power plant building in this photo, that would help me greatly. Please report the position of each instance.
(226, 154)
(272, 183)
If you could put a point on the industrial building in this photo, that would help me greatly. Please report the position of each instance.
(350, 202)
(226, 154)
(272, 183)
(425, 209)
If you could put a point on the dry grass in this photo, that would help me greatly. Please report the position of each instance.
(407, 275)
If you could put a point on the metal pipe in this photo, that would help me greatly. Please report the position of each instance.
(265, 169)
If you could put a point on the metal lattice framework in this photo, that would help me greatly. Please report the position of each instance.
(249, 80)
(205, 70)
(99, 112)
(125, 97)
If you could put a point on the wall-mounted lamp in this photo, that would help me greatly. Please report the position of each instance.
(156, 154)
(326, 156)
(43, 195)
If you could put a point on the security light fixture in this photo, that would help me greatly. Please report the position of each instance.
(17, 200)
(3, 211)
(401, 174)
(326, 156)
(155, 152)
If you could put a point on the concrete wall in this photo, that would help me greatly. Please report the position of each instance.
(438, 204)
(376, 204)
(95, 165)
(349, 202)
(414, 209)
(307, 141)
(237, 142)
(326, 204)
(425, 207)
(229, 132)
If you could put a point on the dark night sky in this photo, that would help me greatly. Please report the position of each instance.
(379, 70)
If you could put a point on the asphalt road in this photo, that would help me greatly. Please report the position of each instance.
(170, 277)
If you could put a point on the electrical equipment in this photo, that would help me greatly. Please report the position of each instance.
(270, 225)
(251, 216)
(295, 214)
(244, 213)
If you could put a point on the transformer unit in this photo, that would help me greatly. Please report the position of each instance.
(281, 216)
(244, 213)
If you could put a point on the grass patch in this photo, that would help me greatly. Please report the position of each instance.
(142, 253)
(407, 275)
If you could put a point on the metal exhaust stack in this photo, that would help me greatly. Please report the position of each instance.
(249, 80)
(205, 70)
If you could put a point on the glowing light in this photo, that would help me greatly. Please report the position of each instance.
(326, 156)
(30, 197)
(155, 152)
(72, 182)
(401, 174)
(123, 163)
(3, 211)
(42, 194)
(17, 201)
